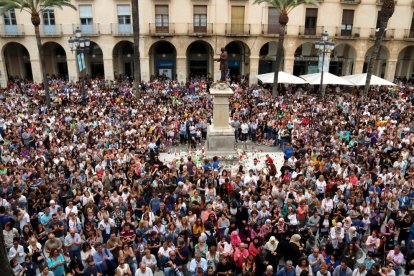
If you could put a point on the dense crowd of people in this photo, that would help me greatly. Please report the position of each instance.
(84, 192)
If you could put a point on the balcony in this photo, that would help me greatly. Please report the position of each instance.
(389, 34)
(409, 35)
(271, 30)
(353, 33)
(237, 29)
(351, 2)
(88, 30)
(161, 30)
(200, 31)
(305, 32)
(11, 30)
(121, 29)
(51, 30)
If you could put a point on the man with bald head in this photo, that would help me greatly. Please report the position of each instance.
(143, 271)
(73, 243)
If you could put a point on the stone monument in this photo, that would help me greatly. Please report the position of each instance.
(220, 135)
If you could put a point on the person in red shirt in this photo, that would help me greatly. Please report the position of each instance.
(127, 234)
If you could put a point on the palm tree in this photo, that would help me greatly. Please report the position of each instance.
(137, 64)
(35, 8)
(387, 10)
(284, 7)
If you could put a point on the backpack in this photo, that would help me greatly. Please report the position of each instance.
(211, 239)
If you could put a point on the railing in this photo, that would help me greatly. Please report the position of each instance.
(389, 34)
(351, 2)
(91, 30)
(121, 29)
(271, 29)
(11, 30)
(161, 30)
(51, 30)
(237, 29)
(310, 32)
(348, 34)
(409, 34)
(196, 30)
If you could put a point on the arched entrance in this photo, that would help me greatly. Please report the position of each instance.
(123, 59)
(200, 59)
(17, 60)
(55, 59)
(267, 57)
(405, 63)
(306, 59)
(379, 70)
(342, 60)
(163, 57)
(238, 59)
(94, 61)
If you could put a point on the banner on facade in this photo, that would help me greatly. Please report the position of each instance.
(326, 63)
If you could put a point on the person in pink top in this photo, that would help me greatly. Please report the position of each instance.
(240, 255)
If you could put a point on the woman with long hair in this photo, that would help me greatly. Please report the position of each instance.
(34, 249)
(86, 253)
(303, 267)
(127, 254)
(56, 262)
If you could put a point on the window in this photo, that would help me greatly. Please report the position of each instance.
(161, 18)
(237, 19)
(49, 17)
(310, 21)
(10, 18)
(273, 21)
(85, 14)
(200, 18)
(124, 14)
(347, 22)
(411, 34)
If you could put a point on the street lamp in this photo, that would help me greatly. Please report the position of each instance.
(79, 45)
(324, 47)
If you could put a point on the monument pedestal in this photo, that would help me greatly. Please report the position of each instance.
(220, 135)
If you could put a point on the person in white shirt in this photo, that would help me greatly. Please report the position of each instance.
(143, 271)
(17, 252)
(337, 235)
(53, 207)
(196, 263)
(71, 209)
(250, 179)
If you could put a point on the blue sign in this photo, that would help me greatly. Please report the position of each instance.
(234, 63)
(165, 63)
(81, 62)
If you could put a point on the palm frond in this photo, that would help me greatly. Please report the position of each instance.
(286, 5)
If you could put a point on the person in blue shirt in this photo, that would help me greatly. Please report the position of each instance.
(287, 270)
(288, 151)
(104, 259)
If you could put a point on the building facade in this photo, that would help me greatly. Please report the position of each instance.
(183, 37)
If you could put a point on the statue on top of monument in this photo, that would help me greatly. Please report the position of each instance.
(223, 64)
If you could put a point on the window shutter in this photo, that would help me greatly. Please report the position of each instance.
(200, 9)
(124, 10)
(161, 9)
(348, 17)
(311, 12)
(85, 11)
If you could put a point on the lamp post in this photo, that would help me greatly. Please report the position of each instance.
(324, 47)
(79, 45)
